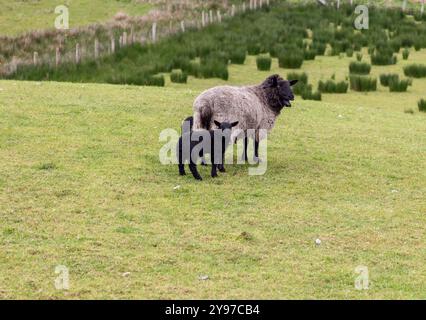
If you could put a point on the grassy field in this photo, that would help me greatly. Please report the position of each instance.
(81, 185)
(17, 17)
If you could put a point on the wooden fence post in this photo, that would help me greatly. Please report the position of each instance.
(57, 57)
(233, 10)
(124, 38)
(404, 5)
(96, 48)
(182, 25)
(35, 58)
(203, 19)
(112, 45)
(77, 53)
(154, 32)
(211, 16)
(219, 16)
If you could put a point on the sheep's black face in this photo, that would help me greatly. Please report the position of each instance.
(285, 93)
(225, 125)
(278, 92)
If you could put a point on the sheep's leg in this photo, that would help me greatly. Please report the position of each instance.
(193, 168)
(214, 171)
(245, 153)
(182, 169)
(256, 148)
(221, 166)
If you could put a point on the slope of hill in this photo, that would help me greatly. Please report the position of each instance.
(81, 186)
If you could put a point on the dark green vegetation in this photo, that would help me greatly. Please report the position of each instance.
(422, 105)
(177, 76)
(398, 85)
(279, 30)
(405, 54)
(362, 83)
(359, 68)
(385, 79)
(264, 62)
(331, 86)
(415, 71)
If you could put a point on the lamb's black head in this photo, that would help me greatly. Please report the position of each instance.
(278, 91)
(225, 125)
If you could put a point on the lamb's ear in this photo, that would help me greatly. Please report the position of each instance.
(233, 124)
(293, 82)
(217, 123)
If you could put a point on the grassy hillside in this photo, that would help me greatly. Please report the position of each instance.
(81, 186)
(18, 17)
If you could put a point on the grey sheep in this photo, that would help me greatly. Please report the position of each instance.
(255, 107)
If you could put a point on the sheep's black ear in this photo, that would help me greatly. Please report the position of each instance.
(217, 123)
(272, 81)
(293, 82)
(233, 124)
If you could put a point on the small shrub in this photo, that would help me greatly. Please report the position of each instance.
(415, 71)
(290, 60)
(349, 52)
(362, 83)
(409, 110)
(359, 68)
(264, 62)
(405, 54)
(177, 76)
(359, 56)
(310, 54)
(309, 95)
(331, 86)
(253, 49)
(386, 78)
(398, 86)
(302, 77)
(383, 58)
(319, 47)
(422, 105)
(155, 80)
(301, 87)
(238, 56)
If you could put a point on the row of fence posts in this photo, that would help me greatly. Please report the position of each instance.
(206, 18)
(124, 39)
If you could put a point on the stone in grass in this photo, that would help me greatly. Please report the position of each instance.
(203, 277)
(125, 274)
(318, 242)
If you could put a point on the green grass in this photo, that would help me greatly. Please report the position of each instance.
(18, 17)
(81, 186)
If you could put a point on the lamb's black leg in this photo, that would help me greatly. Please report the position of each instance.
(214, 171)
(181, 169)
(193, 168)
